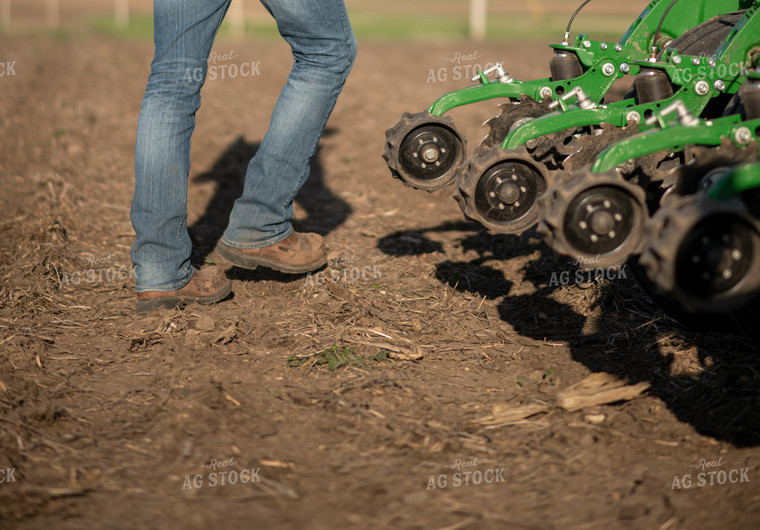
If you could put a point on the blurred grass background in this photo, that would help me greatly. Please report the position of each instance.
(388, 20)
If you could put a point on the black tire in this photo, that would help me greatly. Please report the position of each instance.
(701, 39)
(707, 36)
(746, 319)
(719, 322)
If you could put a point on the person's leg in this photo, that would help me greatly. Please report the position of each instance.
(324, 49)
(184, 33)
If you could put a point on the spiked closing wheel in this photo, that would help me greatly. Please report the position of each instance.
(705, 160)
(594, 218)
(500, 188)
(512, 115)
(704, 253)
(424, 150)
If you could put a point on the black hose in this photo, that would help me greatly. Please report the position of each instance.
(659, 26)
(574, 14)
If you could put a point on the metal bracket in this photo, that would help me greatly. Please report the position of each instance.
(685, 117)
(501, 75)
(584, 101)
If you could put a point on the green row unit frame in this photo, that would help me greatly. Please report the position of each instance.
(632, 47)
(675, 138)
(725, 72)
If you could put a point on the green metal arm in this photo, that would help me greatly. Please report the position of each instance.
(674, 138)
(605, 63)
(736, 47)
(740, 179)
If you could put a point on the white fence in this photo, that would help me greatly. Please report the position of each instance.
(236, 15)
(53, 13)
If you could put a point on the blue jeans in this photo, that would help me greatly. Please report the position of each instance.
(324, 49)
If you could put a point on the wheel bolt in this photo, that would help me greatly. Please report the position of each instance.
(430, 154)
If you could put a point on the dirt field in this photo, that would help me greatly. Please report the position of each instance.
(110, 420)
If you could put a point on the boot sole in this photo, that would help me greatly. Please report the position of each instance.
(244, 261)
(172, 302)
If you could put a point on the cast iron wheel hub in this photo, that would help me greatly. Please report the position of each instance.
(428, 152)
(508, 191)
(499, 188)
(715, 257)
(599, 220)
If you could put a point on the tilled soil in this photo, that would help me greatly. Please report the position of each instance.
(430, 326)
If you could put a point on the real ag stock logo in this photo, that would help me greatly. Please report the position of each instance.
(585, 274)
(712, 70)
(461, 66)
(707, 477)
(340, 271)
(223, 70)
(465, 475)
(221, 475)
(110, 273)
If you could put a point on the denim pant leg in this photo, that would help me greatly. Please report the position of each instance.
(324, 49)
(184, 32)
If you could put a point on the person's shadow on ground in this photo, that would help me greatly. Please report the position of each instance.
(325, 211)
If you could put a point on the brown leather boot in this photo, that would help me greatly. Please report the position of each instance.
(208, 285)
(296, 254)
